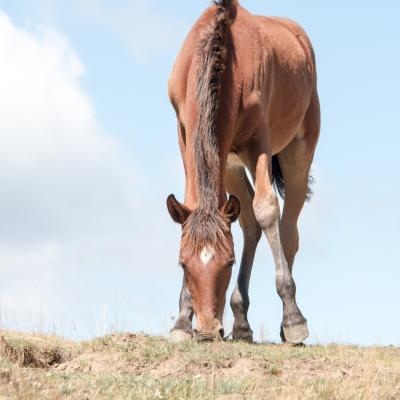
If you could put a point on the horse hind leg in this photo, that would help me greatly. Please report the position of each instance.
(295, 162)
(238, 184)
(267, 213)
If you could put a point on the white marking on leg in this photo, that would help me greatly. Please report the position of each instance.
(206, 255)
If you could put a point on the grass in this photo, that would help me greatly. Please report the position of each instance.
(127, 366)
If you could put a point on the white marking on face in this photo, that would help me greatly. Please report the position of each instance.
(206, 255)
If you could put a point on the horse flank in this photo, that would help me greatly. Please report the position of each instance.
(207, 225)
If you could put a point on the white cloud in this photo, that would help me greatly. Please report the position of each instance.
(53, 155)
(74, 223)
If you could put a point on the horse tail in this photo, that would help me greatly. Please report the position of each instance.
(226, 3)
(212, 53)
(279, 183)
(277, 176)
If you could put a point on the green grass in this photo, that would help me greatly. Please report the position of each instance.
(141, 367)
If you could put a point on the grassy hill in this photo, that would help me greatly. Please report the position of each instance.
(127, 366)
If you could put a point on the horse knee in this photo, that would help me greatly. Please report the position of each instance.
(266, 210)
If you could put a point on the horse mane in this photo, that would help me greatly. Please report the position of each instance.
(207, 225)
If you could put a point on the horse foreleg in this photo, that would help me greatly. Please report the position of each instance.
(238, 185)
(183, 327)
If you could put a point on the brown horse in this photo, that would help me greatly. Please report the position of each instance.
(244, 89)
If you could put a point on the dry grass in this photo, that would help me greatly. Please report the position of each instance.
(34, 351)
(141, 367)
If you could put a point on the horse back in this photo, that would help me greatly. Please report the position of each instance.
(270, 76)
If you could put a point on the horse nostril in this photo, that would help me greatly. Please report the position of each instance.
(205, 336)
(222, 332)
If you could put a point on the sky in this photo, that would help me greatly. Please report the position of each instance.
(88, 155)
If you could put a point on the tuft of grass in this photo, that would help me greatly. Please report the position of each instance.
(37, 351)
(128, 366)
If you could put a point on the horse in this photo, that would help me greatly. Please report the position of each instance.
(244, 90)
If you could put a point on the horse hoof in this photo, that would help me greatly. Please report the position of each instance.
(295, 334)
(248, 337)
(179, 336)
(244, 334)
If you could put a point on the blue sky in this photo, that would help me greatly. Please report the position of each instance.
(89, 154)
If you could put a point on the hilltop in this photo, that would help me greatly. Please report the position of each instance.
(129, 366)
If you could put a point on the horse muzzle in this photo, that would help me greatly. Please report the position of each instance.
(213, 335)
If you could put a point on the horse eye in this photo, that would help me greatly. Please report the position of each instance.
(231, 263)
(182, 265)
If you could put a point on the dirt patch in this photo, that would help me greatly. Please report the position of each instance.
(322, 367)
(98, 363)
(243, 368)
(174, 367)
(117, 363)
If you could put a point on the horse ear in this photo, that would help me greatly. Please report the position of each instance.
(232, 208)
(178, 212)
